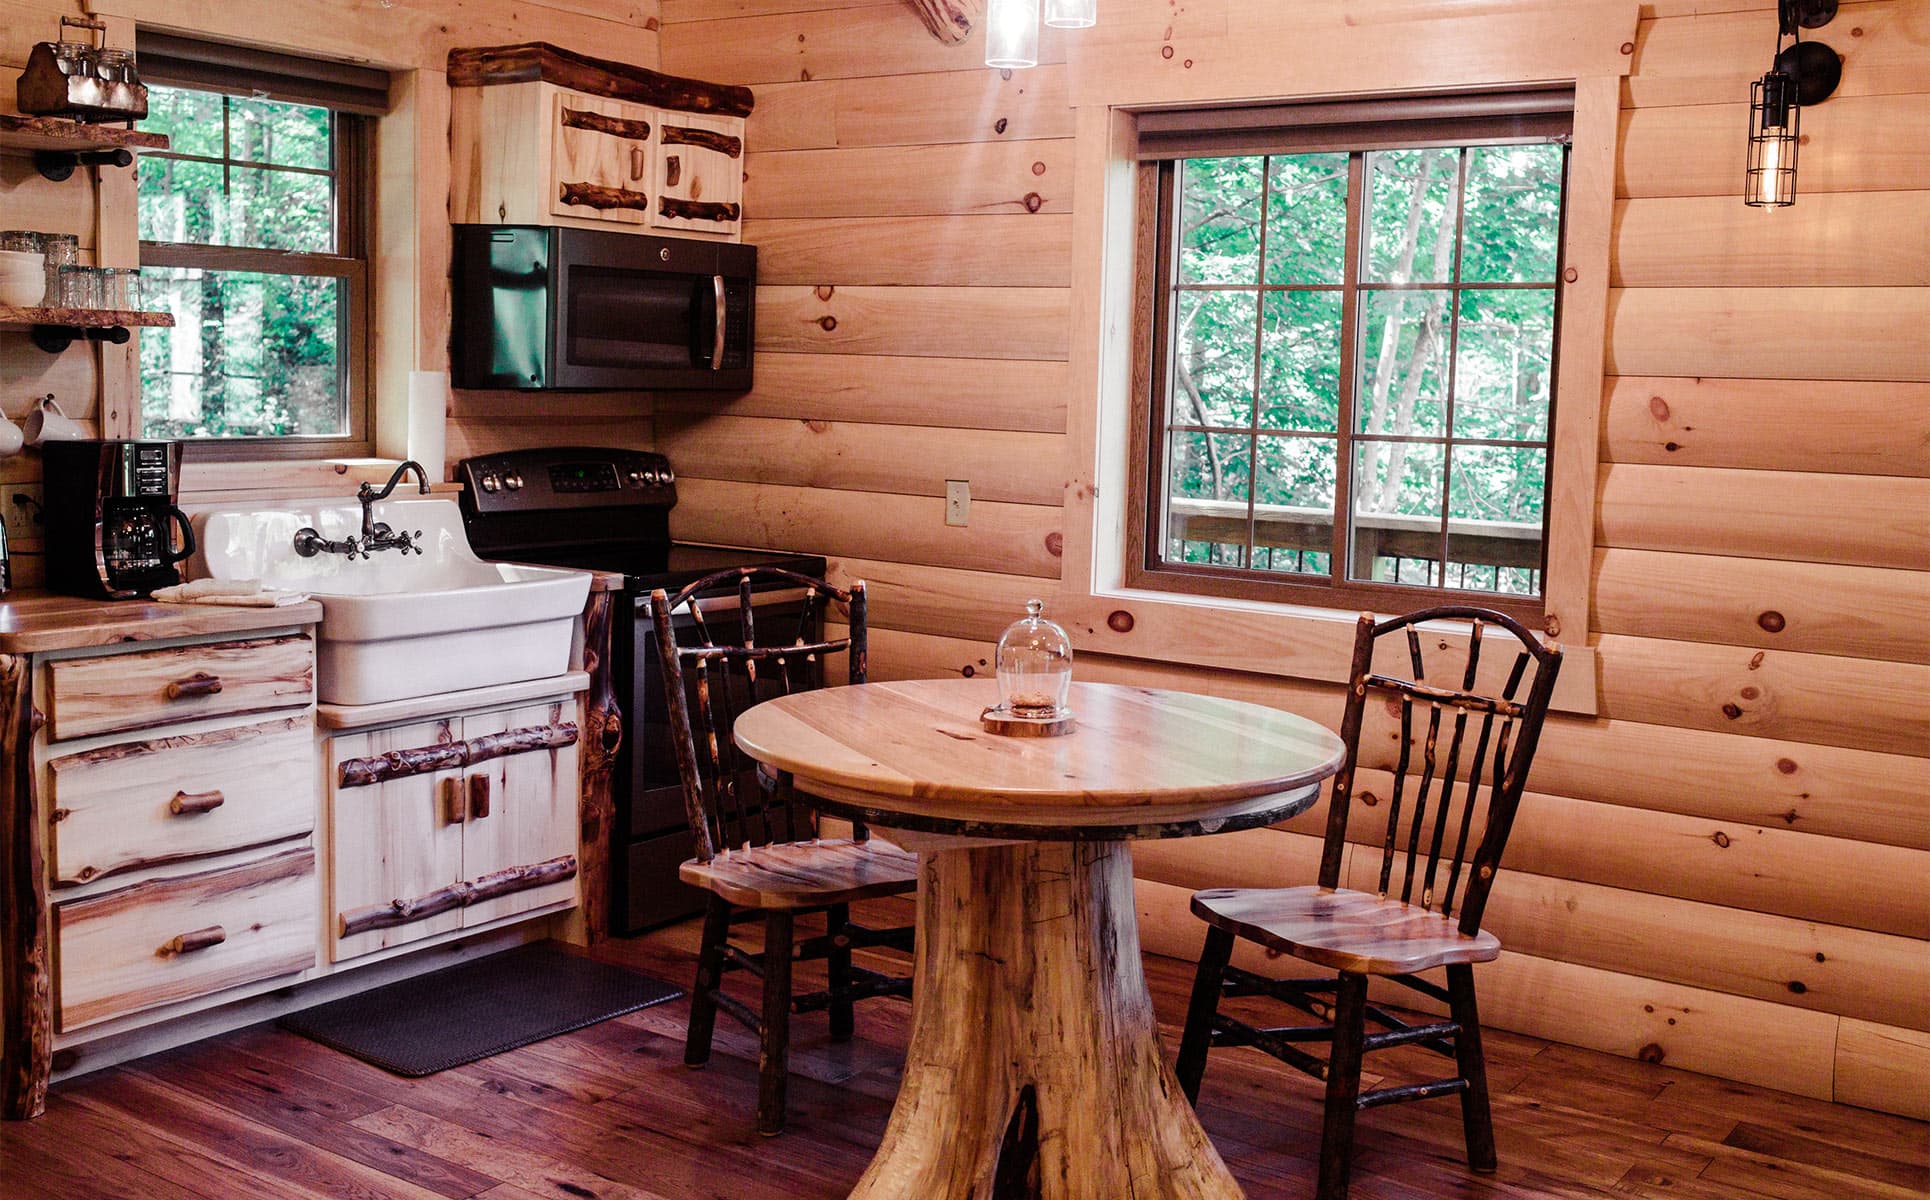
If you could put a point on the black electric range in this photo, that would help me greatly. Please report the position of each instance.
(605, 509)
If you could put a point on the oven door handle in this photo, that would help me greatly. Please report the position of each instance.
(723, 315)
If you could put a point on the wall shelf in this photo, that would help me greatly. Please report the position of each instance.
(58, 145)
(55, 329)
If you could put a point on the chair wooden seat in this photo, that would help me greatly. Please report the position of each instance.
(1344, 930)
(805, 874)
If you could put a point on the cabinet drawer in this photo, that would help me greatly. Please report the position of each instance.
(168, 940)
(159, 687)
(136, 804)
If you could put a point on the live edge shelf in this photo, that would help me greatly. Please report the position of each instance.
(59, 145)
(55, 329)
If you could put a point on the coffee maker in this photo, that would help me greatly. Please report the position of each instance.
(111, 517)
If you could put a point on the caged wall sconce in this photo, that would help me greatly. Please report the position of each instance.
(1804, 73)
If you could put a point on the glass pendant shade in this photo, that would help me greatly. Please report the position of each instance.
(1012, 33)
(1034, 666)
(1775, 119)
(1072, 14)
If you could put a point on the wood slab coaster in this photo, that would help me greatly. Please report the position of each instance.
(1034, 1067)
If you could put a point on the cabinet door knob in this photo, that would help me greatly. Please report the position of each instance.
(673, 170)
(199, 939)
(454, 809)
(198, 684)
(189, 803)
(479, 796)
(636, 162)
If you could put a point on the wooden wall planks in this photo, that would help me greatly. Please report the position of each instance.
(1762, 527)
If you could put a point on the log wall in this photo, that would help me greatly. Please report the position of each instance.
(412, 38)
(1721, 870)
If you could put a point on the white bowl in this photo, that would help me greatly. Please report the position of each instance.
(23, 291)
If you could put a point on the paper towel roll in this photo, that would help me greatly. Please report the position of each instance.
(428, 409)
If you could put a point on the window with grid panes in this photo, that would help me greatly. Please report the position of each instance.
(1352, 361)
(254, 234)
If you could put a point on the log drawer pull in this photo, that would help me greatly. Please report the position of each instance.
(198, 684)
(479, 796)
(455, 808)
(187, 804)
(199, 939)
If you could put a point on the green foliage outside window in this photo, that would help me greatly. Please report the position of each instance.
(1451, 381)
(259, 343)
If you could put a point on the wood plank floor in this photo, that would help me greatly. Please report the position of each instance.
(610, 1113)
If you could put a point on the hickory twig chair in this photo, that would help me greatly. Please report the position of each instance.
(758, 853)
(1388, 933)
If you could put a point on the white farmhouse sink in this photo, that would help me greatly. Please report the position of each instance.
(395, 626)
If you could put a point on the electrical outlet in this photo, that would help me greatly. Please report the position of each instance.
(958, 502)
(20, 507)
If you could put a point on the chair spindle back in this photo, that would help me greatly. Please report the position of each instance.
(1502, 749)
(707, 683)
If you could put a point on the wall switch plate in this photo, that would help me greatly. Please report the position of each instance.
(958, 502)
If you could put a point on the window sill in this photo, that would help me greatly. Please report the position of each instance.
(227, 482)
(1288, 640)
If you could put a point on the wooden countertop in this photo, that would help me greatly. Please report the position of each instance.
(34, 622)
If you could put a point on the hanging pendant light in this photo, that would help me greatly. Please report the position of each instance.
(1012, 34)
(1775, 120)
(1072, 14)
(1804, 73)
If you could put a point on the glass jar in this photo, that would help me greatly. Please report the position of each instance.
(62, 251)
(1034, 666)
(80, 287)
(24, 240)
(114, 65)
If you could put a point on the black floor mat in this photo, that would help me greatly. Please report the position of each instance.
(447, 1018)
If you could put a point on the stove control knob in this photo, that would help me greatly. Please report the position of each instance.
(513, 482)
(490, 483)
(636, 477)
(664, 476)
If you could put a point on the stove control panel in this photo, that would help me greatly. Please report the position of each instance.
(566, 478)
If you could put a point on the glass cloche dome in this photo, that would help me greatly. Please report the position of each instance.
(1034, 667)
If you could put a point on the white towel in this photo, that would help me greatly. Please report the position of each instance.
(241, 593)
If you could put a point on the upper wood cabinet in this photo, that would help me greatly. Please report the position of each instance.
(540, 136)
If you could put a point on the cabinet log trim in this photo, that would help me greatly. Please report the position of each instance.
(91, 874)
(449, 756)
(576, 118)
(596, 810)
(697, 210)
(596, 195)
(26, 996)
(458, 895)
(487, 66)
(703, 139)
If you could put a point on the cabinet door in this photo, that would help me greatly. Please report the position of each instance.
(396, 840)
(700, 172)
(522, 836)
(600, 159)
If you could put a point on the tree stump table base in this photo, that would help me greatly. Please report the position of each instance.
(1034, 1070)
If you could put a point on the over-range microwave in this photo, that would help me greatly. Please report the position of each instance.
(555, 309)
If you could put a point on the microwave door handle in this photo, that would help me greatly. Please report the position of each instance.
(717, 343)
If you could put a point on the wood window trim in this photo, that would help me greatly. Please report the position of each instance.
(354, 138)
(1143, 568)
(1586, 43)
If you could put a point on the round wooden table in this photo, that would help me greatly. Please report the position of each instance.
(1034, 1068)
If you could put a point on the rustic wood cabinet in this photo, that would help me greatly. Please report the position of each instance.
(450, 824)
(540, 136)
(160, 808)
